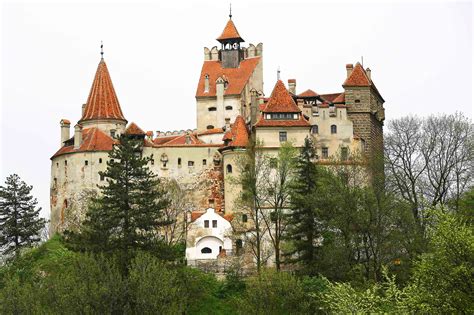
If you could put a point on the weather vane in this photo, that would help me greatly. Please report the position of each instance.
(102, 49)
(230, 10)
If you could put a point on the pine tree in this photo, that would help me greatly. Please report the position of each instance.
(20, 224)
(303, 231)
(128, 213)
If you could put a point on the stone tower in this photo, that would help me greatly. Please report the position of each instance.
(227, 77)
(365, 108)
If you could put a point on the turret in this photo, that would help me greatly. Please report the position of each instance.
(77, 136)
(230, 54)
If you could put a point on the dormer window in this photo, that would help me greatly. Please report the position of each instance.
(282, 116)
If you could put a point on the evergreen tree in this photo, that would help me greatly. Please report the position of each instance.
(20, 224)
(128, 213)
(303, 229)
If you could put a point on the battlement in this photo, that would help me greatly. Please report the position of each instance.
(160, 134)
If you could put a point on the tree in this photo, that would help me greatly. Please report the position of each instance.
(278, 196)
(254, 172)
(429, 161)
(128, 213)
(175, 212)
(304, 227)
(20, 224)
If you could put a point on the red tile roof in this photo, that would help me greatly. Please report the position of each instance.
(179, 140)
(93, 139)
(196, 215)
(230, 32)
(330, 97)
(238, 135)
(281, 100)
(102, 102)
(211, 131)
(133, 129)
(308, 93)
(65, 121)
(340, 99)
(237, 77)
(300, 122)
(163, 140)
(358, 77)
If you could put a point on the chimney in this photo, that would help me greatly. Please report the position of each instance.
(369, 73)
(65, 126)
(149, 135)
(83, 109)
(349, 68)
(292, 86)
(220, 87)
(77, 136)
(253, 106)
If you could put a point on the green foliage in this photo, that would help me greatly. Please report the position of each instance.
(273, 293)
(20, 224)
(127, 215)
(443, 278)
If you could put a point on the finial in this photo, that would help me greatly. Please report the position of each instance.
(278, 73)
(230, 11)
(362, 59)
(101, 49)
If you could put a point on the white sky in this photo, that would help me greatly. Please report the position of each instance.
(420, 55)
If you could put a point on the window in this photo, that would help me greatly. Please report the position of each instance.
(344, 153)
(206, 250)
(214, 223)
(152, 162)
(333, 129)
(238, 244)
(229, 169)
(212, 109)
(57, 165)
(190, 163)
(112, 133)
(210, 127)
(228, 108)
(325, 153)
(86, 162)
(179, 161)
(102, 177)
(357, 101)
(283, 116)
(204, 162)
(206, 223)
(244, 218)
(65, 162)
(314, 129)
(283, 137)
(100, 161)
(55, 182)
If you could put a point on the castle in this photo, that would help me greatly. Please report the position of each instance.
(231, 107)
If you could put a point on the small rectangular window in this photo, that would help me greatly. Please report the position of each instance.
(102, 177)
(179, 162)
(283, 137)
(344, 154)
(214, 223)
(152, 162)
(86, 162)
(325, 153)
(206, 223)
(190, 163)
(204, 162)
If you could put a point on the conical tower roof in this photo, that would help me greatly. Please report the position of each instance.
(102, 102)
(281, 101)
(230, 33)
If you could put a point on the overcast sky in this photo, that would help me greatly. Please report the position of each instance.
(420, 55)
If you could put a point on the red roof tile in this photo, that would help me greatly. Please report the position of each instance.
(330, 97)
(179, 140)
(237, 77)
(102, 102)
(196, 215)
(65, 122)
(93, 139)
(308, 93)
(133, 129)
(281, 101)
(163, 140)
(238, 135)
(300, 122)
(230, 32)
(211, 131)
(340, 99)
(358, 77)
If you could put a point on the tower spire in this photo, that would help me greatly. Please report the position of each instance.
(101, 50)
(230, 11)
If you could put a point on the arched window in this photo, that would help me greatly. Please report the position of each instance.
(229, 169)
(333, 129)
(206, 250)
(244, 218)
(179, 161)
(100, 161)
(314, 129)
